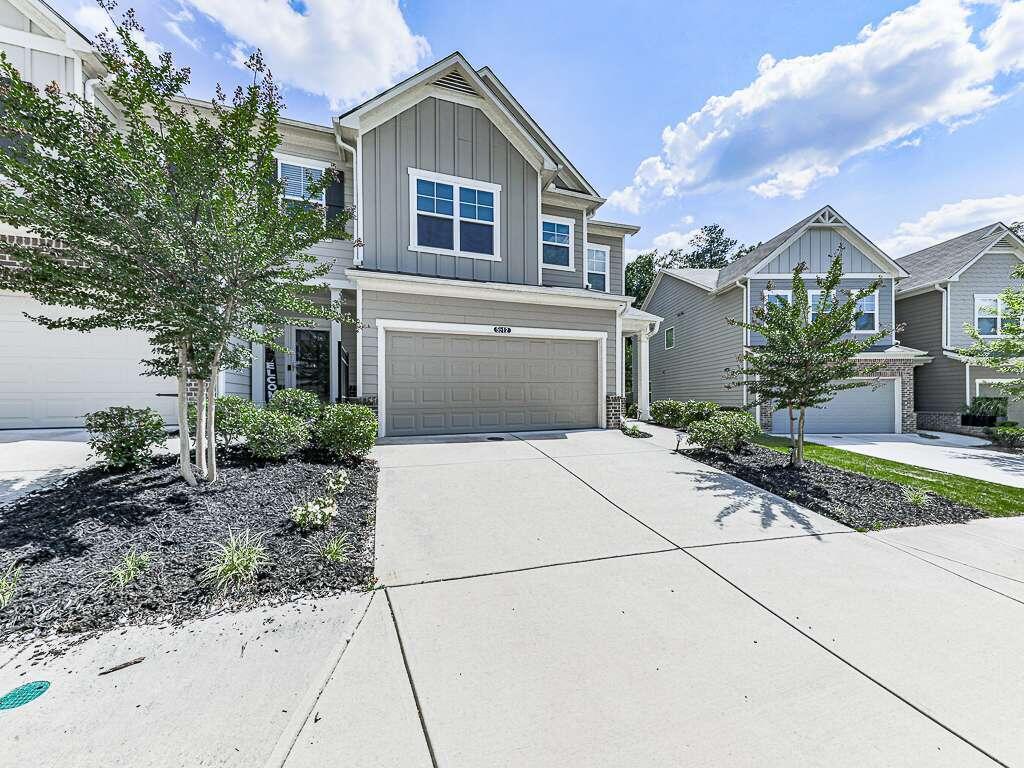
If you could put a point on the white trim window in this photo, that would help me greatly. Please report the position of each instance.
(774, 296)
(297, 175)
(453, 216)
(868, 321)
(598, 258)
(557, 236)
(670, 337)
(813, 300)
(990, 318)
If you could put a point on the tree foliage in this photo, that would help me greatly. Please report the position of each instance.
(804, 363)
(710, 248)
(167, 220)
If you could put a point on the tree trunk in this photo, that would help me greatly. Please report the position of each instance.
(798, 451)
(211, 437)
(184, 460)
(201, 428)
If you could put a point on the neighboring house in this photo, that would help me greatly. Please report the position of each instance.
(952, 285)
(695, 345)
(487, 295)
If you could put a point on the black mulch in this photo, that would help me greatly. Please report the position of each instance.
(858, 501)
(68, 538)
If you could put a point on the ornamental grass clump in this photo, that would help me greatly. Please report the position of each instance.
(334, 549)
(9, 584)
(317, 513)
(131, 566)
(237, 561)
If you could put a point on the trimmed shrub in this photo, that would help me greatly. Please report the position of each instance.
(1009, 435)
(668, 413)
(296, 402)
(125, 437)
(698, 410)
(729, 431)
(229, 418)
(346, 430)
(274, 434)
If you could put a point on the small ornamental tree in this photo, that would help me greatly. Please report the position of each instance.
(169, 220)
(808, 356)
(1006, 352)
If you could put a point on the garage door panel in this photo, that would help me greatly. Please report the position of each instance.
(863, 410)
(440, 383)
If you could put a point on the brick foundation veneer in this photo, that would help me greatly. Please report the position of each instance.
(615, 411)
(904, 369)
(947, 422)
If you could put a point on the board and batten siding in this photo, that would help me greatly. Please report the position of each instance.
(614, 260)
(458, 140)
(885, 318)
(561, 278)
(989, 275)
(320, 145)
(816, 248)
(705, 344)
(938, 385)
(385, 305)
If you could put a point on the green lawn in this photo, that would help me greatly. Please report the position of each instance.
(996, 499)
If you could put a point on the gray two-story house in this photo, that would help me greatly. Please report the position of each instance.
(487, 295)
(954, 285)
(695, 344)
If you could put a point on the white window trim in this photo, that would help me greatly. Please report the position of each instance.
(779, 292)
(457, 182)
(607, 264)
(572, 243)
(810, 303)
(418, 326)
(304, 162)
(673, 344)
(877, 318)
(1000, 314)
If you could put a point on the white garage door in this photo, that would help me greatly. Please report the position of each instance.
(53, 378)
(865, 410)
(444, 383)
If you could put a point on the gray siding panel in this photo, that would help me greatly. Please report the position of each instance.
(238, 383)
(885, 318)
(938, 385)
(989, 275)
(614, 260)
(705, 344)
(379, 305)
(455, 139)
(816, 248)
(557, 277)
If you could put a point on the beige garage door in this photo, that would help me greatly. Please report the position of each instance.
(53, 378)
(447, 384)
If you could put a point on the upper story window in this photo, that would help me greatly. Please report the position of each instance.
(597, 267)
(990, 316)
(814, 301)
(454, 216)
(778, 297)
(297, 175)
(868, 320)
(670, 338)
(556, 239)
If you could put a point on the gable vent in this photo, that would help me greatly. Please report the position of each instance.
(1005, 242)
(454, 81)
(827, 217)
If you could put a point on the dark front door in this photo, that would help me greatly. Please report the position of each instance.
(313, 361)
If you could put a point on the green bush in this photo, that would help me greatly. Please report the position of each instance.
(729, 431)
(296, 402)
(125, 437)
(1008, 435)
(668, 413)
(273, 434)
(697, 410)
(229, 419)
(346, 430)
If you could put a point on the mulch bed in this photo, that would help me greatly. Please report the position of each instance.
(68, 538)
(855, 500)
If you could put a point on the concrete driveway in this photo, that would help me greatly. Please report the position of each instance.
(944, 452)
(578, 599)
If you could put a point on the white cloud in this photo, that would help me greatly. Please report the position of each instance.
(174, 27)
(344, 50)
(673, 239)
(800, 119)
(92, 20)
(953, 219)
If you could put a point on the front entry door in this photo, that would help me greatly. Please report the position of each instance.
(313, 361)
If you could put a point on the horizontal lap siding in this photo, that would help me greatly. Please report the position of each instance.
(439, 309)
(561, 278)
(458, 140)
(705, 344)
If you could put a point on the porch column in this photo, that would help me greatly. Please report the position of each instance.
(642, 363)
(258, 371)
(335, 342)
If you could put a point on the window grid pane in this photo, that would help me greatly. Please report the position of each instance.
(475, 217)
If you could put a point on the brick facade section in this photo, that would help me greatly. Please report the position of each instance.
(942, 421)
(904, 369)
(615, 411)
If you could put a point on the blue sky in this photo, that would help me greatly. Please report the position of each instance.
(905, 117)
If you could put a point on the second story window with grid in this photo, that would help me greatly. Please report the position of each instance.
(597, 267)
(556, 238)
(454, 216)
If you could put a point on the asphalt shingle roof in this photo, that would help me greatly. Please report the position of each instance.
(941, 261)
